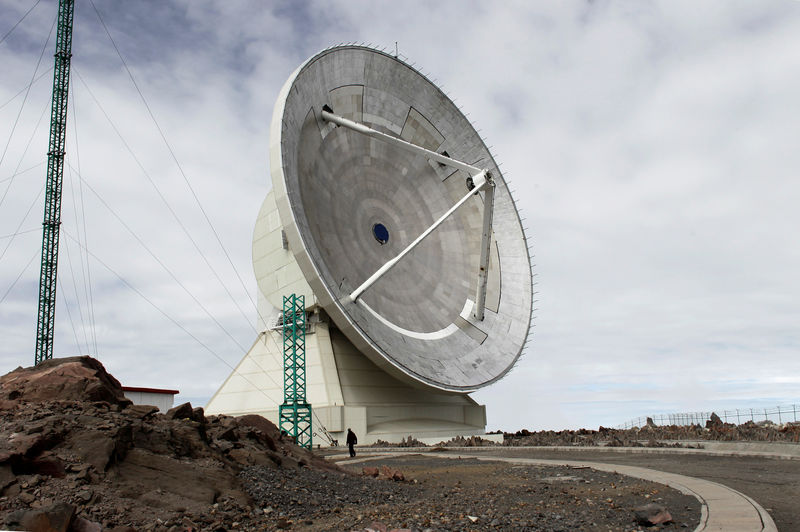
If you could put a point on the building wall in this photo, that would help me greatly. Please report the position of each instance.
(162, 400)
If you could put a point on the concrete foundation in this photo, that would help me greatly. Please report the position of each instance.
(346, 390)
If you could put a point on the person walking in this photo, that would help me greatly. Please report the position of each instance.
(351, 441)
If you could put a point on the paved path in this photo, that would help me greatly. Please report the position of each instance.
(722, 508)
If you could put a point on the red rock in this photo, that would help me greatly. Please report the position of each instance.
(370, 471)
(715, 422)
(79, 524)
(199, 415)
(95, 449)
(51, 466)
(7, 477)
(652, 514)
(141, 411)
(375, 526)
(7, 404)
(248, 457)
(230, 434)
(182, 411)
(267, 428)
(55, 518)
(115, 451)
(63, 379)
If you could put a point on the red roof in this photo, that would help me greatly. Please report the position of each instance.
(149, 390)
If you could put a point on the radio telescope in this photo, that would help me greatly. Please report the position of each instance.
(389, 214)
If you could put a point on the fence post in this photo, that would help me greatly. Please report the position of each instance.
(779, 416)
(738, 421)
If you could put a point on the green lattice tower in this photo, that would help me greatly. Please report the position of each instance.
(55, 171)
(295, 412)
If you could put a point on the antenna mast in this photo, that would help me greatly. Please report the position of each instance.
(55, 174)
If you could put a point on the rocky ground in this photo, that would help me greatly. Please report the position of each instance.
(660, 436)
(650, 435)
(450, 494)
(76, 455)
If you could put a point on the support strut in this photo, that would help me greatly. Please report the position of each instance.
(482, 180)
(383, 270)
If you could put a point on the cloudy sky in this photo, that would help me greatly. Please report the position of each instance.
(652, 147)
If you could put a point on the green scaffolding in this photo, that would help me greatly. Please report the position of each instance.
(46, 316)
(295, 412)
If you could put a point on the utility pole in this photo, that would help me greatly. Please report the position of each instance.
(55, 173)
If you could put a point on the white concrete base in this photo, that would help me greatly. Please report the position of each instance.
(346, 390)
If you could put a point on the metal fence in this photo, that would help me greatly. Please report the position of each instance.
(778, 414)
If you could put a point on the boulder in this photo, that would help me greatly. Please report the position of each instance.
(79, 524)
(266, 427)
(715, 422)
(95, 449)
(370, 471)
(55, 518)
(392, 474)
(183, 411)
(652, 514)
(141, 411)
(45, 464)
(63, 379)
(199, 415)
(7, 477)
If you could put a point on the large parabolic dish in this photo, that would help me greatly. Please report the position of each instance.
(349, 202)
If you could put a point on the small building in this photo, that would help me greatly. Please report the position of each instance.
(163, 399)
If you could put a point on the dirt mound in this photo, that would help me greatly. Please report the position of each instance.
(73, 450)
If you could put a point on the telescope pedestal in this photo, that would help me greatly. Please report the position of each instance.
(346, 390)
